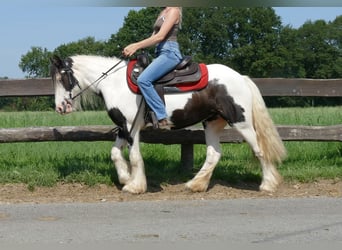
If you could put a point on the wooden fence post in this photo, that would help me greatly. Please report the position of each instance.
(187, 157)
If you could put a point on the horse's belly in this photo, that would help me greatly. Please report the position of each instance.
(176, 101)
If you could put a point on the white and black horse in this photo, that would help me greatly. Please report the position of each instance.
(229, 98)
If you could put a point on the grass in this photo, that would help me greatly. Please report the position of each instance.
(46, 163)
(36, 119)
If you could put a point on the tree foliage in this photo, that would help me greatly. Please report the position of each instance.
(86, 46)
(321, 44)
(243, 38)
(252, 41)
(36, 62)
(137, 26)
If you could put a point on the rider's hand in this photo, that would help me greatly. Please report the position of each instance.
(130, 49)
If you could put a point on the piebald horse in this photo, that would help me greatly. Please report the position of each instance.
(229, 98)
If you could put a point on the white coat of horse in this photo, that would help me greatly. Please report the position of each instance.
(228, 92)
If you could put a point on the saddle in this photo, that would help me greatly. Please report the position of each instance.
(186, 77)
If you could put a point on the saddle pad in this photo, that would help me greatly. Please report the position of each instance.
(181, 87)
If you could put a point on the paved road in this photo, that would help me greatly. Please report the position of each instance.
(239, 220)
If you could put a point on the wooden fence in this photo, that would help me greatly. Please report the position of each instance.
(267, 86)
(187, 137)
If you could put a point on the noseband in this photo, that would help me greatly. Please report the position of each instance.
(70, 82)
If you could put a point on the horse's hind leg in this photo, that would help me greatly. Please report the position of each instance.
(123, 168)
(270, 176)
(201, 180)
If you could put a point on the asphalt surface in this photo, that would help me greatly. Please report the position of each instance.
(252, 221)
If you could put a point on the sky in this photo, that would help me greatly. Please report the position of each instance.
(26, 26)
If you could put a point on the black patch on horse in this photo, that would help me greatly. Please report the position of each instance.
(208, 104)
(65, 69)
(120, 120)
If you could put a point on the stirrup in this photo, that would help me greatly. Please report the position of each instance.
(153, 118)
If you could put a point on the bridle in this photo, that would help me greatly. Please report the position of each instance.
(67, 72)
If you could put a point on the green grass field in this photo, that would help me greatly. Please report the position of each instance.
(46, 163)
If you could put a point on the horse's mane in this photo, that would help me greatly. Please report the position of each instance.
(89, 64)
(86, 60)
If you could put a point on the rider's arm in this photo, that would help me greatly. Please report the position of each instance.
(171, 18)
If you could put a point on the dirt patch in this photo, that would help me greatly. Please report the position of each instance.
(62, 193)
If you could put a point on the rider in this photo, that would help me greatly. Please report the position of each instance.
(168, 56)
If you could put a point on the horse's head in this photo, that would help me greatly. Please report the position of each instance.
(64, 82)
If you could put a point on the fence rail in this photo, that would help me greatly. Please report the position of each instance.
(267, 86)
(183, 136)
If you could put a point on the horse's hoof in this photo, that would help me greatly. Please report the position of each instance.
(196, 187)
(133, 189)
(267, 188)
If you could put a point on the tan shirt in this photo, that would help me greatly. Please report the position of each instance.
(172, 35)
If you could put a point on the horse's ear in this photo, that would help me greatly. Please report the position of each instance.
(56, 61)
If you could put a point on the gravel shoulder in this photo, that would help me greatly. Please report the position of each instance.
(66, 193)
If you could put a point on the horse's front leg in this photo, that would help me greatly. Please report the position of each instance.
(137, 183)
(201, 180)
(123, 168)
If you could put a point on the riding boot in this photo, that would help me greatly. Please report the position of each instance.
(150, 118)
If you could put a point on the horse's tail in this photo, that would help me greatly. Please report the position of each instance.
(268, 137)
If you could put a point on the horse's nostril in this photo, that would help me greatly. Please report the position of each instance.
(59, 109)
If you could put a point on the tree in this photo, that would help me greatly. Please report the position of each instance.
(88, 46)
(312, 51)
(321, 49)
(36, 62)
(335, 33)
(254, 38)
(137, 26)
(291, 53)
(243, 38)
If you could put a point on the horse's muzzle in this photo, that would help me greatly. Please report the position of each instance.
(64, 108)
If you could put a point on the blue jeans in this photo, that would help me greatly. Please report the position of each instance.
(168, 57)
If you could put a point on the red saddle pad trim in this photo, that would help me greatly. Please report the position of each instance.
(184, 87)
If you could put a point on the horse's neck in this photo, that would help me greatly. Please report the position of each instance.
(112, 86)
(90, 69)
